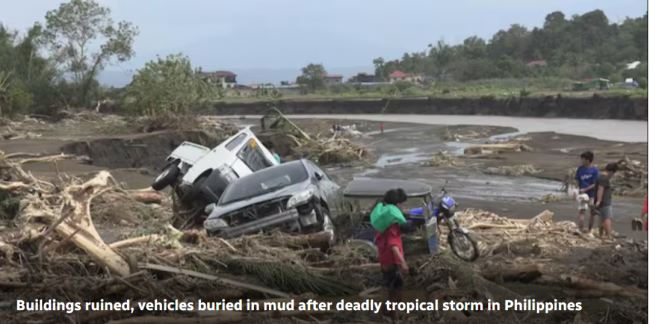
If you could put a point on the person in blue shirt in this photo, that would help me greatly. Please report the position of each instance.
(586, 176)
(269, 146)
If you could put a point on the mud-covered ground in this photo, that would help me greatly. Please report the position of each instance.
(402, 150)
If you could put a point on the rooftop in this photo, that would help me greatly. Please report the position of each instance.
(537, 63)
(221, 73)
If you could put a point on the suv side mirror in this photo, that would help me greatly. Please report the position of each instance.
(318, 176)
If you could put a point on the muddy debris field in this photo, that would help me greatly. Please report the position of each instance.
(80, 224)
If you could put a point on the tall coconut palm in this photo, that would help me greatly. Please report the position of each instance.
(4, 87)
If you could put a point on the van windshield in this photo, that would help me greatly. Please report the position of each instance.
(267, 180)
(253, 156)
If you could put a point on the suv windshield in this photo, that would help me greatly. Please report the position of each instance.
(263, 181)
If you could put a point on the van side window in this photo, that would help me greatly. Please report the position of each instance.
(254, 157)
(236, 142)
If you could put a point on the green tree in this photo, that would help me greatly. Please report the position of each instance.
(30, 87)
(75, 30)
(578, 47)
(312, 77)
(168, 86)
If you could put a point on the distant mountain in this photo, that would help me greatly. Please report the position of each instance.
(244, 76)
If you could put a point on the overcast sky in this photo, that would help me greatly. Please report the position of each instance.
(291, 33)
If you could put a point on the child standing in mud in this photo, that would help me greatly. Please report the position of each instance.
(604, 200)
(387, 219)
(586, 176)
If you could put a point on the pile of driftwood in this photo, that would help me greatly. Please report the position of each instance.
(496, 148)
(337, 148)
(442, 159)
(512, 170)
(58, 253)
(632, 178)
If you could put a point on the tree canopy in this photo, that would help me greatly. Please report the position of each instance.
(312, 77)
(168, 85)
(582, 46)
(56, 64)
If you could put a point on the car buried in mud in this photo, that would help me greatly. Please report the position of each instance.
(294, 197)
(205, 173)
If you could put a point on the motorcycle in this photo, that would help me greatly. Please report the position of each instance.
(443, 207)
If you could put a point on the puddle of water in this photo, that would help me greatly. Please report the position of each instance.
(493, 187)
(458, 148)
(506, 136)
(395, 159)
(366, 173)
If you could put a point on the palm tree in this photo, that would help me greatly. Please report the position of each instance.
(4, 86)
(379, 67)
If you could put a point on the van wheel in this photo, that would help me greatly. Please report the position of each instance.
(195, 191)
(166, 177)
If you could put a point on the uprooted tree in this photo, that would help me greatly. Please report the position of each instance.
(74, 29)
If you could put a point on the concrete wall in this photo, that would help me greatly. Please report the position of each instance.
(595, 107)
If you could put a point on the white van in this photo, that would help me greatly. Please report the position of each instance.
(206, 173)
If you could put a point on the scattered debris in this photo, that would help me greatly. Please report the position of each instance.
(334, 149)
(548, 198)
(345, 131)
(443, 159)
(149, 124)
(55, 247)
(514, 170)
(461, 134)
(497, 148)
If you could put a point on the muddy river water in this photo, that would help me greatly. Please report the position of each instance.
(613, 130)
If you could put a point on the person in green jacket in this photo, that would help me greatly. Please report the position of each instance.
(269, 146)
(387, 219)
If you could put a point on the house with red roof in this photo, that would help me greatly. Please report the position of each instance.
(334, 79)
(537, 63)
(401, 76)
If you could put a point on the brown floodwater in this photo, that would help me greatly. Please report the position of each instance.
(604, 129)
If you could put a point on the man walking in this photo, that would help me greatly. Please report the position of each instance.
(604, 200)
(586, 176)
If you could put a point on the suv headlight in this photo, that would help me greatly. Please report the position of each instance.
(213, 224)
(227, 173)
(300, 198)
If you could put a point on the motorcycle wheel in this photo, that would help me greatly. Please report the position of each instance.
(467, 252)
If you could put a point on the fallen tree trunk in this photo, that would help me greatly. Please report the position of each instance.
(593, 287)
(314, 239)
(223, 281)
(143, 197)
(527, 273)
(137, 240)
(74, 221)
